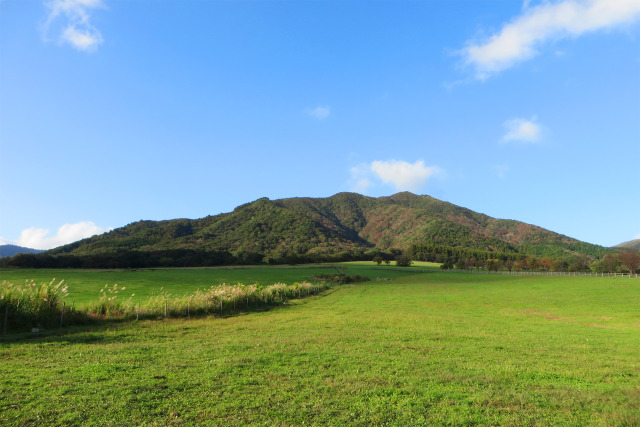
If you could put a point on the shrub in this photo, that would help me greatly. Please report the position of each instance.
(340, 278)
(403, 261)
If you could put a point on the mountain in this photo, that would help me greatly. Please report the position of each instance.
(632, 244)
(11, 250)
(350, 223)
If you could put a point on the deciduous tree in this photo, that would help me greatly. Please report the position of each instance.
(492, 264)
(610, 263)
(508, 265)
(545, 264)
(559, 265)
(630, 259)
(520, 265)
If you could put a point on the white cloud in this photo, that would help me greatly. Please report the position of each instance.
(519, 39)
(38, 238)
(403, 175)
(637, 236)
(320, 112)
(362, 185)
(82, 39)
(71, 20)
(522, 130)
(360, 178)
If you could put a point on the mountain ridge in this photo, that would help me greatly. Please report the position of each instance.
(11, 250)
(631, 244)
(344, 222)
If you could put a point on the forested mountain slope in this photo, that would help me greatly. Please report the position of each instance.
(632, 244)
(343, 223)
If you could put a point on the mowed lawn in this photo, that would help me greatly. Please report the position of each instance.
(425, 349)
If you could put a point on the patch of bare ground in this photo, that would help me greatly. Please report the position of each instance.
(545, 315)
(595, 325)
(562, 319)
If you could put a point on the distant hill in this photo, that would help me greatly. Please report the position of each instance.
(11, 250)
(266, 230)
(632, 244)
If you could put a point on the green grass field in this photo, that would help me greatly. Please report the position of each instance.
(428, 348)
(85, 285)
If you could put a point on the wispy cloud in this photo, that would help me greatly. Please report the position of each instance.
(402, 175)
(321, 112)
(70, 20)
(520, 39)
(360, 178)
(39, 238)
(522, 130)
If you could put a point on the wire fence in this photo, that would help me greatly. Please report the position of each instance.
(548, 273)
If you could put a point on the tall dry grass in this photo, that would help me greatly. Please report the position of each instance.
(40, 305)
(31, 305)
(217, 300)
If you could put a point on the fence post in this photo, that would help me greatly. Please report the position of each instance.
(6, 319)
(62, 314)
(165, 309)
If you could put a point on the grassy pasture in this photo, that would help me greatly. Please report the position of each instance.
(422, 349)
(84, 285)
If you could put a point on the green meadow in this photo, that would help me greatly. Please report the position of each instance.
(85, 285)
(415, 347)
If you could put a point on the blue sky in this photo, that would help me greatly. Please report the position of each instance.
(113, 111)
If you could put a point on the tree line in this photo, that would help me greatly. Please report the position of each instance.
(622, 262)
(187, 258)
(465, 258)
(450, 257)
